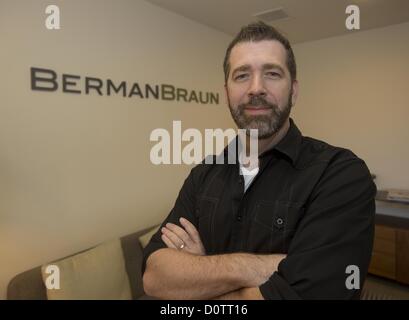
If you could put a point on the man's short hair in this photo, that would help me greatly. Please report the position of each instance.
(259, 31)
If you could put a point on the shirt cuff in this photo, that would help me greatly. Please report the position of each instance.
(276, 288)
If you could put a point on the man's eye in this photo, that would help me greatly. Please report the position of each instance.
(273, 74)
(240, 76)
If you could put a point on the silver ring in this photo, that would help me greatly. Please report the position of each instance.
(181, 246)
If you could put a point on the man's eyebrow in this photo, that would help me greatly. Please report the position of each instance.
(266, 66)
(245, 67)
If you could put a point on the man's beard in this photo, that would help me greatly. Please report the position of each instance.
(267, 125)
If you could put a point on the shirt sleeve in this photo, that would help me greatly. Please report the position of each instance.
(184, 207)
(336, 231)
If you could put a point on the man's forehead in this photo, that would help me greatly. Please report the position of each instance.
(265, 51)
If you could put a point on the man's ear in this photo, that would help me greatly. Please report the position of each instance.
(295, 90)
(226, 94)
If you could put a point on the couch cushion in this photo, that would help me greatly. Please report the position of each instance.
(98, 273)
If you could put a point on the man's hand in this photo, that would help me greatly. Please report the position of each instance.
(187, 239)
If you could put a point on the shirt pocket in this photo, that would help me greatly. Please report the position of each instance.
(205, 211)
(273, 226)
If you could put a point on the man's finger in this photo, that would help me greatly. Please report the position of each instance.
(180, 232)
(167, 241)
(176, 240)
(191, 230)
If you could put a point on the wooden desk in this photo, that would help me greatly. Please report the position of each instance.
(390, 255)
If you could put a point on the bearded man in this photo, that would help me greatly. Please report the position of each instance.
(290, 227)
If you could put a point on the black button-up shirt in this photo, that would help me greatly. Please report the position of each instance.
(310, 200)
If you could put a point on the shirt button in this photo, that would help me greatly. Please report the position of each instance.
(279, 221)
(238, 218)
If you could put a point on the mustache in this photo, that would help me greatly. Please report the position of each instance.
(257, 100)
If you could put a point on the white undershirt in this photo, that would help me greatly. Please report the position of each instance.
(248, 175)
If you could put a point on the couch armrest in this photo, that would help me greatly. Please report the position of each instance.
(133, 255)
(28, 285)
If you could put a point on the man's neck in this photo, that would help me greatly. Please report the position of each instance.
(268, 143)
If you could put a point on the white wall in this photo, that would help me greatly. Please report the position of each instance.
(75, 169)
(355, 94)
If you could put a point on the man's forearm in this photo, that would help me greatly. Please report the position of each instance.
(250, 293)
(242, 294)
(173, 274)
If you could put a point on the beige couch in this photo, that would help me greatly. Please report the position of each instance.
(29, 285)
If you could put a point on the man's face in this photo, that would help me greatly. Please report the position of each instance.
(259, 89)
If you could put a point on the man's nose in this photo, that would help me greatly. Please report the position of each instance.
(257, 86)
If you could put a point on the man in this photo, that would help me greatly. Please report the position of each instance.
(289, 231)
